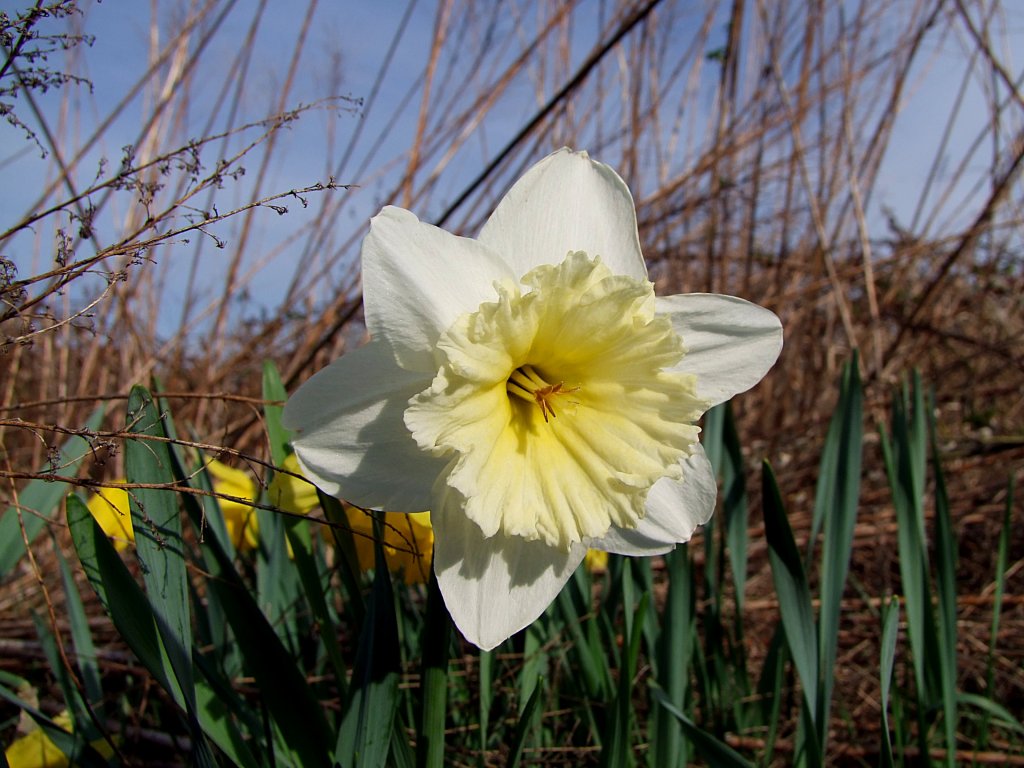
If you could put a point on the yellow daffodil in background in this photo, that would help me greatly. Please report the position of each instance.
(291, 493)
(529, 389)
(408, 538)
(596, 560)
(36, 750)
(239, 518)
(110, 508)
(408, 542)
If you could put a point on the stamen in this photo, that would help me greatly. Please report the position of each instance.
(525, 383)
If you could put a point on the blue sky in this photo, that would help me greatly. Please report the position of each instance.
(342, 56)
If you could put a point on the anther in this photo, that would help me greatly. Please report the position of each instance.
(527, 384)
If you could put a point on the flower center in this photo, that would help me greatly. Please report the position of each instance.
(524, 382)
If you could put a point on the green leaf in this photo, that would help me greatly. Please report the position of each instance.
(120, 596)
(714, 751)
(160, 546)
(674, 652)
(769, 690)
(274, 393)
(348, 562)
(997, 599)
(80, 752)
(616, 751)
(586, 650)
(1004, 718)
(523, 726)
(314, 589)
(485, 692)
(839, 513)
(133, 617)
(437, 633)
(945, 577)
(792, 590)
(890, 626)
(905, 460)
(156, 521)
(296, 714)
(77, 707)
(81, 635)
(40, 498)
(367, 724)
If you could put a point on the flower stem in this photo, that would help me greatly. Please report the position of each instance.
(437, 633)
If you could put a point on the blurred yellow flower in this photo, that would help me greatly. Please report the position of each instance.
(239, 518)
(290, 493)
(408, 542)
(35, 750)
(110, 508)
(408, 538)
(596, 560)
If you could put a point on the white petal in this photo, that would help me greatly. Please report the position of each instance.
(417, 279)
(352, 441)
(494, 587)
(674, 510)
(567, 202)
(730, 343)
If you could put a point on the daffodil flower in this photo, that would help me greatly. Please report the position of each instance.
(36, 750)
(293, 494)
(529, 389)
(408, 543)
(109, 506)
(408, 538)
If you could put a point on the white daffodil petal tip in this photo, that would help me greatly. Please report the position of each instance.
(493, 587)
(730, 343)
(529, 390)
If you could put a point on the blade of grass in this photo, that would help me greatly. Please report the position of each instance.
(160, 547)
(945, 578)
(437, 633)
(485, 693)
(120, 596)
(794, 599)
(616, 751)
(523, 726)
(134, 618)
(674, 652)
(890, 626)
(716, 752)
(79, 751)
(274, 395)
(296, 713)
(367, 724)
(840, 518)
(81, 635)
(997, 605)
